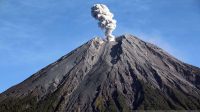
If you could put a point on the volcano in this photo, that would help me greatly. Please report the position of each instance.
(118, 76)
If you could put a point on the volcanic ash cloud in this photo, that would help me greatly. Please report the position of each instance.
(105, 18)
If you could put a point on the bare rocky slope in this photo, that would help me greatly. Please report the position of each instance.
(99, 76)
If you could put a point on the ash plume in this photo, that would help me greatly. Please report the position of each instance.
(105, 18)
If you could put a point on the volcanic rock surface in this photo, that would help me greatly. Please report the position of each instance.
(122, 76)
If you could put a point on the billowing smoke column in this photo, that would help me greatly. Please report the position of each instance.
(105, 18)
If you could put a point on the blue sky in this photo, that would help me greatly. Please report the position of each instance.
(35, 33)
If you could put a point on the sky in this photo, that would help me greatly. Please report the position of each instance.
(35, 33)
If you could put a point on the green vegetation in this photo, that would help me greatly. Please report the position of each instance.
(111, 106)
(27, 104)
(122, 102)
(196, 72)
(154, 99)
(48, 104)
(187, 102)
(114, 104)
(99, 104)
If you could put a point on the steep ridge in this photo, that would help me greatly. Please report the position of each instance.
(100, 76)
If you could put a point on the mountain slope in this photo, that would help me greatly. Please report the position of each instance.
(99, 76)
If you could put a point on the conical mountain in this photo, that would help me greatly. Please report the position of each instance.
(122, 76)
